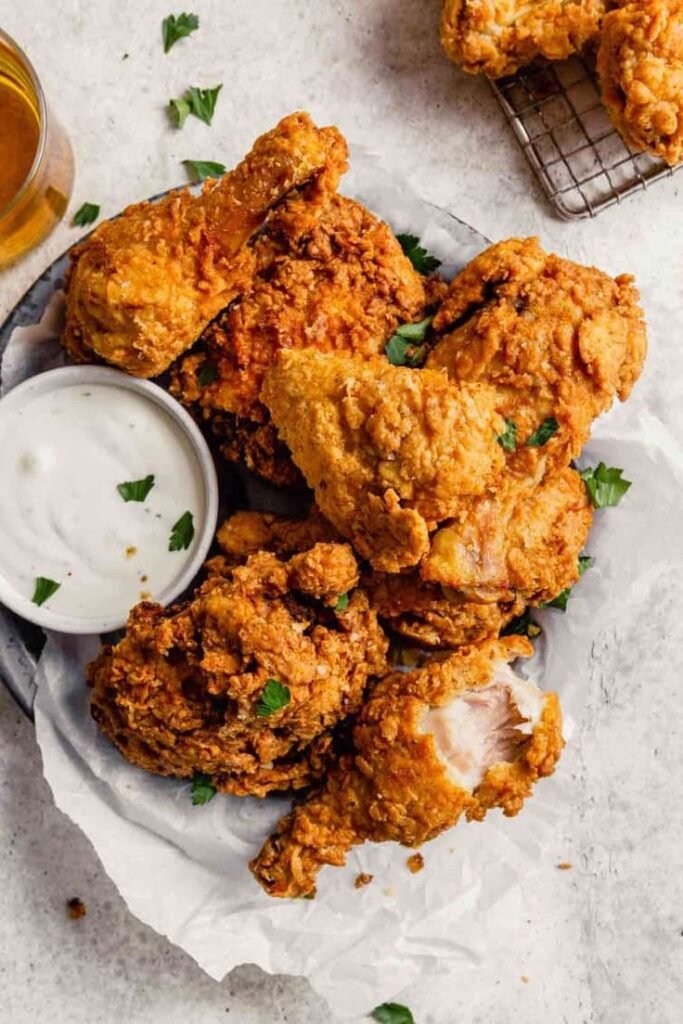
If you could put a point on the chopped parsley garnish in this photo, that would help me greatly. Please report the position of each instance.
(547, 429)
(182, 533)
(585, 562)
(605, 485)
(522, 625)
(176, 27)
(200, 102)
(404, 348)
(203, 788)
(392, 1013)
(200, 170)
(88, 213)
(207, 374)
(180, 108)
(136, 490)
(342, 603)
(508, 439)
(423, 262)
(45, 588)
(274, 697)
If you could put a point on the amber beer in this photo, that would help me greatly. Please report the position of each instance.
(36, 163)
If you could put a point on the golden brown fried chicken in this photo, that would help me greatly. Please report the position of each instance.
(142, 287)
(389, 451)
(640, 65)
(497, 37)
(247, 532)
(330, 276)
(520, 543)
(184, 691)
(457, 737)
(557, 340)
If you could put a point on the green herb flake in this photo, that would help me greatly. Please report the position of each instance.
(547, 429)
(404, 348)
(423, 262)
(177, 26)
(605, 485)
(522, 625)
(200, 170)
(508, 439)
(87, 214)
(179, 109)
(560, 601)
(203, 102)
(44, 589)
(208, 373)
(203, 789)
(585, 562)
(182, 533)
(342, 603)
(136, 490)
(392, 1013)
(275, 696)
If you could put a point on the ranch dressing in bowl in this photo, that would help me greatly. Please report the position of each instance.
(75, 443)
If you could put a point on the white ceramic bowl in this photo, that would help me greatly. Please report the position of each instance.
(206, 517)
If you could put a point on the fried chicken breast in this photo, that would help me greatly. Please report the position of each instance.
(497, 37)
(454, 738)
(183, 691)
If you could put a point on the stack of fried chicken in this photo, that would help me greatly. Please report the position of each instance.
(440, 500)
(639, 54)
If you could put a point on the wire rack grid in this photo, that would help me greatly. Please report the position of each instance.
(579, 158)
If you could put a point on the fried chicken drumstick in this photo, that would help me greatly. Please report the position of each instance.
(454, 738)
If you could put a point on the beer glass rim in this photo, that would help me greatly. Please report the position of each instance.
(42, 109)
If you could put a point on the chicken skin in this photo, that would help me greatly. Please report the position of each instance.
(454, 738)
(640, 66)
(497, 37)
(558, 341)
(186, 690)
(389, 451)
(142, 287)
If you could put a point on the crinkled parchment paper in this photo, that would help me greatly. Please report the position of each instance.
(183, 869)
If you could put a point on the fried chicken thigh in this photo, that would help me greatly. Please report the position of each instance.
(497, 37)
(454, 738)
(389, 451)
(183, 691)
(142, 287)
(640, 65)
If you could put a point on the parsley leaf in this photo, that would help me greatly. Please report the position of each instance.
(522, 625)
(136, 490)
(203, 789)
(88, 213)
(342, 603)
(392, 1013)
(418, 256)
(207, 374)
(604, 485)
(547, 429)
(585, 562)
(508, 439)
(200, 170)
(182, 533)
(180, 108)
(203, 102)
(176, 27)
(401, 350)
(274, 697)
(44, 588)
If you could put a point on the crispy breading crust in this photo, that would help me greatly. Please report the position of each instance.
(395, 786)
(179, 694)
(640, 65)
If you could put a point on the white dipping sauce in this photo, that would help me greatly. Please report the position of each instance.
(62, 455)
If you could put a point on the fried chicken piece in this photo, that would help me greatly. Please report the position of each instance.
(245, 533)
(182, 692)
(142, 287)
(640, 66)
(457, 737)
(329, 276)
(520, 543)
(389, 451)
(557, 340)
(497, 37)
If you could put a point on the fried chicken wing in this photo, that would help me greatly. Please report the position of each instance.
(557, 340)
(142, 287)
(388, 451)
(454, 738)
(497, 37)
(183, 691)
(640, 66)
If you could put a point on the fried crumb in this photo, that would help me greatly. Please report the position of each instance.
(145, 595)
(363, 879)
(76, 908)
(415, 863)
(143, 579)
(525, 979)
(565, 865)
(132, 550)
(389, 891)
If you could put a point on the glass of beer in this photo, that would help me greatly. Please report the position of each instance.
(36, 162)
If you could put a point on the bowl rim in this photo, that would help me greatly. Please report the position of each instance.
(65, 376)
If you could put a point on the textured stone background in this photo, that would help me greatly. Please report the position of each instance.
(600, 943)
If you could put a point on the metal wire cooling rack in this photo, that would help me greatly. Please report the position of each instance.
(581, 161)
